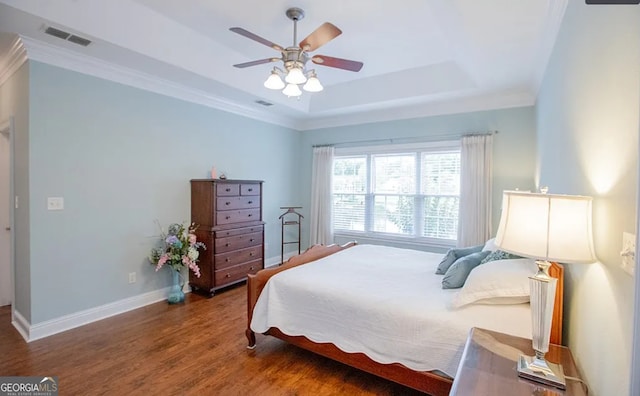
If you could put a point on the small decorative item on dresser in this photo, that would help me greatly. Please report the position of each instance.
(178, 249)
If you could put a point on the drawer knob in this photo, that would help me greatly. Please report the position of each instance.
(227, 259)
(250, 202)
(226, 245)
(251, 189)
(251, 268)
(228, 217)
(251, 254)
(227, 189)
(227, 203)
(251, 240)
(250, 215)
(228, 276)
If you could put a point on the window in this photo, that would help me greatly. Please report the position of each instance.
(408, 191)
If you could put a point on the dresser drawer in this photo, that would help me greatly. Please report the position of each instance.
(237, 216)
(228, 203)
(237, 272)
(238, 242)
(250, 189)
(229, 259)
(239, 231)
(227, 189)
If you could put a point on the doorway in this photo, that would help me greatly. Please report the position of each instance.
(6, 218)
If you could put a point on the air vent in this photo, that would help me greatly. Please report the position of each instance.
(262, 102)
(57, 33)
(79, 40)
(67, 36)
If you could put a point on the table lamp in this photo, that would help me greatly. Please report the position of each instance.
(545, 227)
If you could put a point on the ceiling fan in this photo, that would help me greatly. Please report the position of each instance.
(294, 58)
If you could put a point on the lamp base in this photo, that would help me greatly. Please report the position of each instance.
(540, 370)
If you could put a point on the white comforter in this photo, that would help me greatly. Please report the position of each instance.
(384, 302)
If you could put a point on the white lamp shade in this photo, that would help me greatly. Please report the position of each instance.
(292, 90)
(547, 227)
(295, 76)
(274, 82)
(313, 85)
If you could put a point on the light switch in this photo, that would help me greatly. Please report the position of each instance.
(55, 203)
(628, 253)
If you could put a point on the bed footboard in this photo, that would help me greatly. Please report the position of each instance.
(255, 283)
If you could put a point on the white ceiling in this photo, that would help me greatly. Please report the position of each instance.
(421, 57)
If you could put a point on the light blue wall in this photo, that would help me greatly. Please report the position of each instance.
(122, 158)
(513, 149)
(14, 102)
(587, 116)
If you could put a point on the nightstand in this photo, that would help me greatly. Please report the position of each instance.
(488, 367)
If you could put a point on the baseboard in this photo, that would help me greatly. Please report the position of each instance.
(21, 324)
(71, 321)
(67, 322)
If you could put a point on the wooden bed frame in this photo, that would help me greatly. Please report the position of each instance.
(425, 381)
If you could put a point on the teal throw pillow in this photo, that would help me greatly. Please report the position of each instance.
(454, 254)
(500, 255)
(457, 274)
(446, 262)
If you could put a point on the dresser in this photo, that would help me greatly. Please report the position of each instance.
(229, 218)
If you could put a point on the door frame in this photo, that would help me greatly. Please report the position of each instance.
(7, 128)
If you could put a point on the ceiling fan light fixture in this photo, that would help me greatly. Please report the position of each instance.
(295, 76)
(274, 81)
(295, 57)
(313, 84)
(292, 90)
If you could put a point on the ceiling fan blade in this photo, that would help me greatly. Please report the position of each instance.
(322, 35)
(257, 38)
(338, 63)
(256, 62)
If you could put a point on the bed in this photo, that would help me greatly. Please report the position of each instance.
(381, 310)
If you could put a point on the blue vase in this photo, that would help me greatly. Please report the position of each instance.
(176, 295)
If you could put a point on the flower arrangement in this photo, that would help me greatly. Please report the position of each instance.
(179, 249)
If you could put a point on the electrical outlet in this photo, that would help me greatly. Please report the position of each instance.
(628, 253)
(132, 277)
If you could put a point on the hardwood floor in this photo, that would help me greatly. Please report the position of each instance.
(195, 348)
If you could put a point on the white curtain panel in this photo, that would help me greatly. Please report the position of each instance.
(476, 163)
(320, 216)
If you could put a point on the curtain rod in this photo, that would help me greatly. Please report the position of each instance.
(414, 139)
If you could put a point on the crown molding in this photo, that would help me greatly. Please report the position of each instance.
(66, 59)
(452, 106)
(12, 59)
(25, 48)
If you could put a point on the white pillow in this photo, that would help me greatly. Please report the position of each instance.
(497, 282)
(490, 245)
